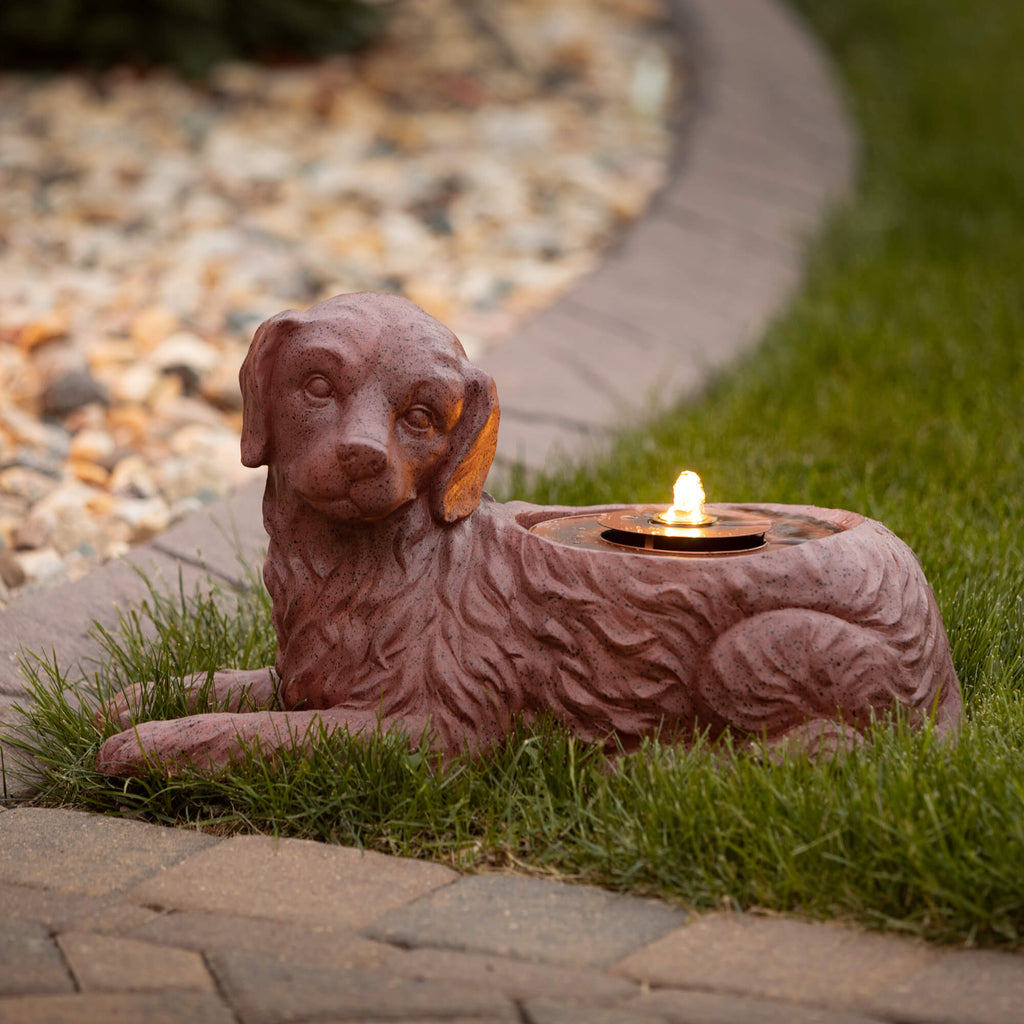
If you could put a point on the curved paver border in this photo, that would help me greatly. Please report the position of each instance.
(766, 149)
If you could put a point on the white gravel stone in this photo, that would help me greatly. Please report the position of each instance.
(133, 385)
(132, 476)
(477, 163)
(25, 428)
(65, 519)
(145, 516)
(183, 348)
(26, 485)
(42, 566)
(93, 445)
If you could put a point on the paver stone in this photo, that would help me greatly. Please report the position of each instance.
(292, 880)
(30, 961)
(110, 964)
(37, 621)
(777, 959)
(688, 1007)
(969, 987)
(300, 942)
(540, 1012)
(56, 910)
(266, 990)
(529, 919)
(117, 1008)
(517, 979)
(89, 854)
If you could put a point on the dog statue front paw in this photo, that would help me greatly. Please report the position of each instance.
(229, 689)
(200, 742)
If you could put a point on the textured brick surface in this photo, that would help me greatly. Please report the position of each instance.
(777, 959)
(29, 961)
(265, 990)
(770, 228)
(696, 281)
(227, 539)
(969, 987)
(516, 979)
(292, 880)
(539, 443)
(150, 1007)
(671, 273)
(101, 963)
(304, 942)
(61, 911)
(715, 1008)
(529, 919)
(63, 617)
(115, 917)
(74, 852)
(562, 384)
(540, 1012)
(55, 910)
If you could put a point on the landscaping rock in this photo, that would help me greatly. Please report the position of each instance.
(475, 159)
(71, 391)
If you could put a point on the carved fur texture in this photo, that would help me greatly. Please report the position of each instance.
(405, 596)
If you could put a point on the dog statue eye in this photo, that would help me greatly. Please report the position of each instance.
(418, 418)
(318, 387)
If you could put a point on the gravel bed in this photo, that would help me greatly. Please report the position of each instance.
(477, 160)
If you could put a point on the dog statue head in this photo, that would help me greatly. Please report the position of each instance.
(365, 402)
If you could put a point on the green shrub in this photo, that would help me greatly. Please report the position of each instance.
(189, 35)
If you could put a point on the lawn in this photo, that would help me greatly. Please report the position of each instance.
(893, 385)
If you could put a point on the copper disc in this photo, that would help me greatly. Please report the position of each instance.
(731, 525)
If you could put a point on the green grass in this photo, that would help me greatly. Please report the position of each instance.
(893, 385)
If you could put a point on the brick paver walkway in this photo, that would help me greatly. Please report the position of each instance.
(113, 920)
(106, 919)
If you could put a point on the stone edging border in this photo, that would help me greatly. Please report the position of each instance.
(767, 149)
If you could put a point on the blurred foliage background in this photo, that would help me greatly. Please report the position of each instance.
(188, 35)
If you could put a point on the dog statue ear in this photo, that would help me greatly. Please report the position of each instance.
(459, 481)
(254, 381)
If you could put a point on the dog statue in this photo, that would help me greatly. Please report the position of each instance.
(404, 596)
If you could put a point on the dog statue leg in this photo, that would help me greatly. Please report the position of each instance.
(211, 742)
(805, 679)
(230, 690)
(819, 739)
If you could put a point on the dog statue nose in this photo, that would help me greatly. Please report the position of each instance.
(362, 459)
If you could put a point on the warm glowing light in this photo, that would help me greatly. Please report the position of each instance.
(687, 502)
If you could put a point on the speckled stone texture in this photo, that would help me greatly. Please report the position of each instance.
(404, 596)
